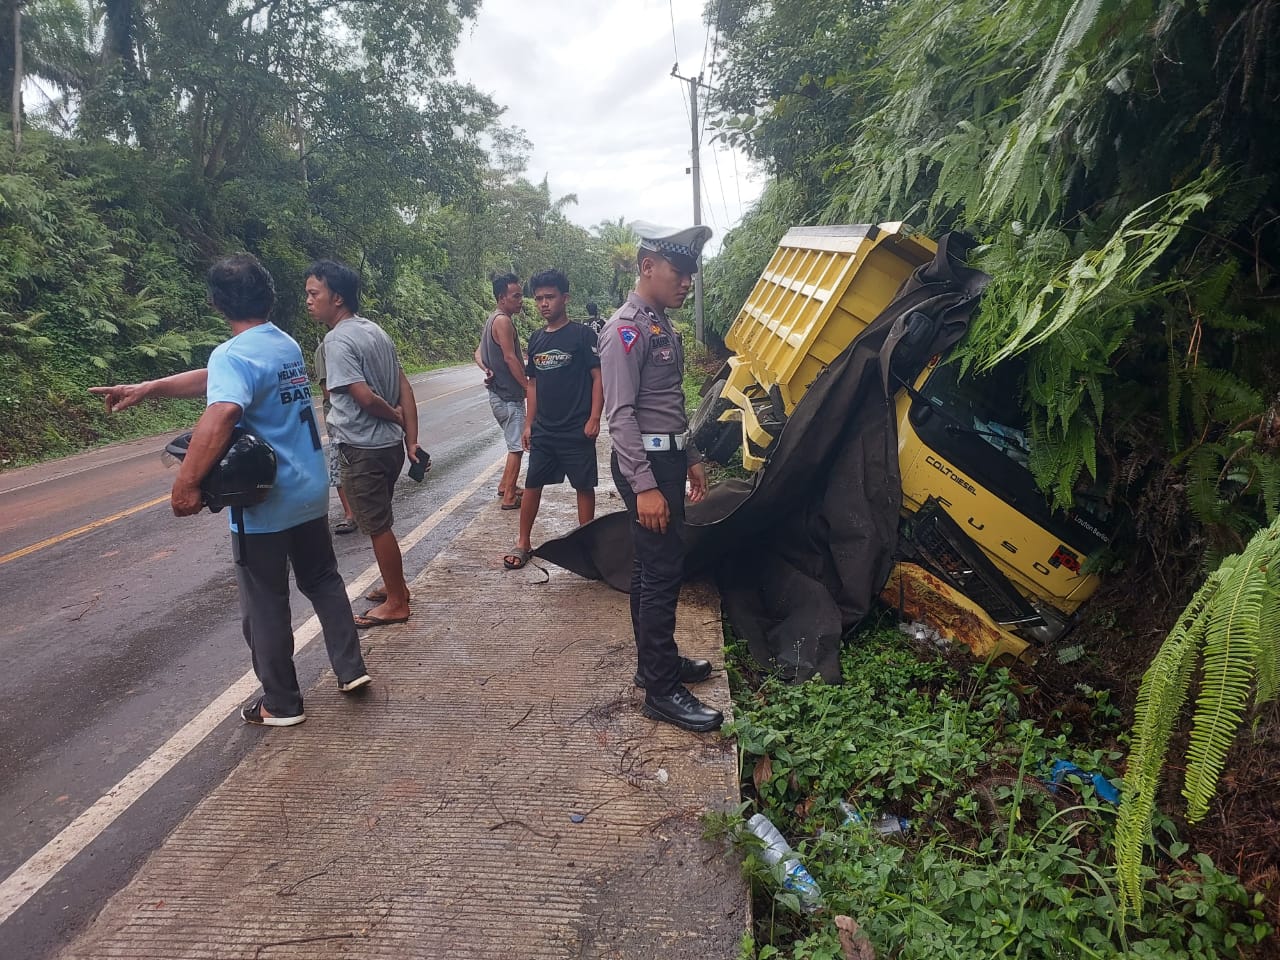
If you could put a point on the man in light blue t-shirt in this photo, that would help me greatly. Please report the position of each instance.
(258, 380)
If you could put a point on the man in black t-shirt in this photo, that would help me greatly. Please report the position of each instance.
(564, 402)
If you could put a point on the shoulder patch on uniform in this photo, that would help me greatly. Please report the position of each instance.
(628, 335)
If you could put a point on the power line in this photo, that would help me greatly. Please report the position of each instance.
(715, 156)
(737, 181)
(711, 207)
(675, 48)
(706, 42)
(715, 46)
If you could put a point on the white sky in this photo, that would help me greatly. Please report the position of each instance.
(588, 82)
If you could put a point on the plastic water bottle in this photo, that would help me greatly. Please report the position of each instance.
(884, 824)
(777, 853)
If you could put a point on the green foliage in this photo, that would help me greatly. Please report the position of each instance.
(174, 134)
(1227, 640)
(1077, 138)
(1115, 162)
(994, 864)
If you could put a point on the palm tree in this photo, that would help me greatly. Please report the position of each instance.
(620, 245)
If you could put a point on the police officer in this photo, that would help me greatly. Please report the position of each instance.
(642, 366)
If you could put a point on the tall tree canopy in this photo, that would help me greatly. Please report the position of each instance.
(164, 133)
(1116, 160)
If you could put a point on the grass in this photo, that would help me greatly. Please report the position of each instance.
(997, 863)
(85, 425)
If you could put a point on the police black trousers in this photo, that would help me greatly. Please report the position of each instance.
(656, 574)
(267, 619)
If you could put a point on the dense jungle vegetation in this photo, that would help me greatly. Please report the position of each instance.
(159, 135)
(1115, 162)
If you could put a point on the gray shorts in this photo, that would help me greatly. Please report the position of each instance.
(510, 417)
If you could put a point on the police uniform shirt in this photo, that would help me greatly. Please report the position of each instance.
(642, 368)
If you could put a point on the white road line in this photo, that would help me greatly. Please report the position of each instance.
(25, 882)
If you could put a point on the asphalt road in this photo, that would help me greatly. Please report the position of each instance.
(119, 622)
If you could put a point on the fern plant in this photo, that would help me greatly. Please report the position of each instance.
(1230, 631)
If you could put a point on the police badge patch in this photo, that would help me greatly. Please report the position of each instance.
(629, 335)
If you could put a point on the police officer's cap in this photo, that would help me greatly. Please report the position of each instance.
(681, 247)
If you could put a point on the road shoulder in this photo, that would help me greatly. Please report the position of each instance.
(497, 791)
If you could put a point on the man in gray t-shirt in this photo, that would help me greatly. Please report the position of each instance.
(348, 522)
(374, 421)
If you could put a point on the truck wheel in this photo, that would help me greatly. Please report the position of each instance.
(717, 441)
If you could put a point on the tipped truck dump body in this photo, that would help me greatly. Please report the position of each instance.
(1000, 554)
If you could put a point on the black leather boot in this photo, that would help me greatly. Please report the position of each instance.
(691, 671)
(682, 709)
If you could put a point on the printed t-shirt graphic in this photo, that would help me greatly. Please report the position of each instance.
(560, 363)
(262, 371)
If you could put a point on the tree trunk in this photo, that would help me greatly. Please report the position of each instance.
(117, 42)
(7, 9)
(16, 101)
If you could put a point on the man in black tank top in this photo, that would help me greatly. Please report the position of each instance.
(499, 357)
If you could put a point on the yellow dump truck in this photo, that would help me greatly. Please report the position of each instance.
(985, 558)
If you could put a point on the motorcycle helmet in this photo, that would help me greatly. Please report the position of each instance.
(242, 477)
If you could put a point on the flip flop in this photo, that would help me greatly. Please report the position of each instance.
(366, 620)
(517, 559)
(378, 596)
(344, 526)
(516, 505)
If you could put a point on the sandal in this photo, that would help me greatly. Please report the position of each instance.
(517, 559)
(516, 505)
(345, 526)
(378, 594)
(364, 621)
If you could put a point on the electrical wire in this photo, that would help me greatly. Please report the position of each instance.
(710, 67)
(675, 48)
(737, 181)
(711, 207)
(715, 157)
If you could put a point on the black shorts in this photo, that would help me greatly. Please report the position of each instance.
(553, 459)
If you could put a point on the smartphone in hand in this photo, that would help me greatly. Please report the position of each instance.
(419, 469)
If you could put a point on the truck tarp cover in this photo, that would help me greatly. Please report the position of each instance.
(800, 551)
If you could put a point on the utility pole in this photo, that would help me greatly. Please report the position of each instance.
(696, 170)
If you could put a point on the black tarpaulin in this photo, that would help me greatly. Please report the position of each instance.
(800, 551)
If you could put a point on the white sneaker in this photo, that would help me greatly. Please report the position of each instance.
(252, 713)
(351, 685)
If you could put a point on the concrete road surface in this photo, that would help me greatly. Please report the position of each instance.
(119, 623)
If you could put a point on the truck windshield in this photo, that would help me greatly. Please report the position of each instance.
(978, 424)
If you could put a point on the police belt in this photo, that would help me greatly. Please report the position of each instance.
(659, 442)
